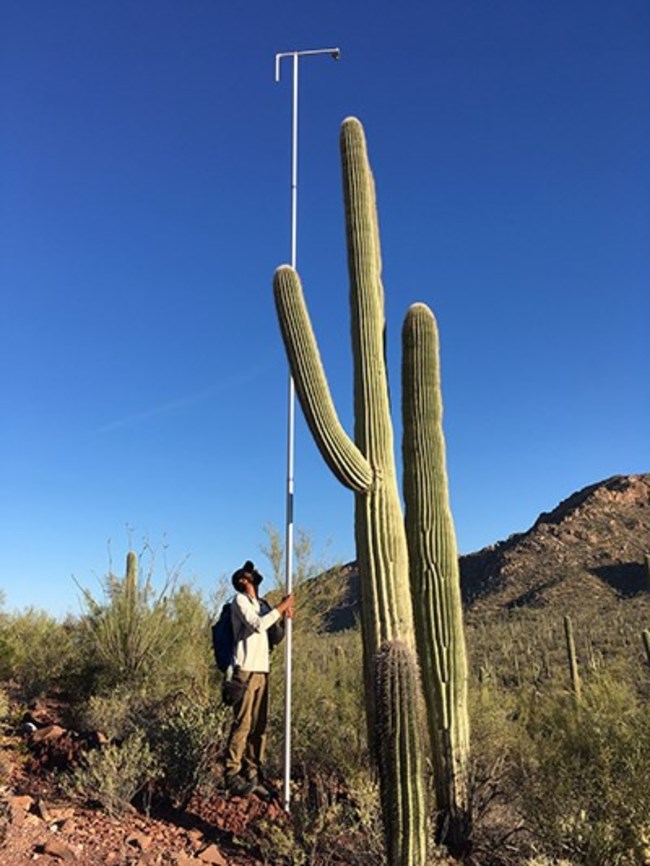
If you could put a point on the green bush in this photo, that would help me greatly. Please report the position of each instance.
(147, 641)
(185, 743)
(129, 630)
(326, 827)
(582, 783)
(36, 650)
(113, 775)
(4, 704)
(328, 715)
(189, 664)
(116, 714)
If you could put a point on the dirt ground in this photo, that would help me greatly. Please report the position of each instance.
(38, 824)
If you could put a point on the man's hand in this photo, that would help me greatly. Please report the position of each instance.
(287, 606)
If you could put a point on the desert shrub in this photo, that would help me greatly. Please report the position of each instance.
(363, 790)
(326, 827)
(113, 775)
(583, 779)
(36, 649)
(4, 704)
(190, 663)
(185, 743)
(545, 861)
(117, 714)
(526, 647)
(328, 712)
(308, 563)
(129, 630)
(147, 641)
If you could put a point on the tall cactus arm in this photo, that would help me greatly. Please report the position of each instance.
(339, 452)
(434, 572)
(373, 427)
(379, 526)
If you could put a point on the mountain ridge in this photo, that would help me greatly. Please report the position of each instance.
(589, 551)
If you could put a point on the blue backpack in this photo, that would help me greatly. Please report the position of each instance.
(223, 639)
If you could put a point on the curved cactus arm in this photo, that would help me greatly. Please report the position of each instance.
(434, 571)
(399, 750)
(339, 452)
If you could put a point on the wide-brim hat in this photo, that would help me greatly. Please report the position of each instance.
(247, 570)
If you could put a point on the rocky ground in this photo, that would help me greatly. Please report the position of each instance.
(38, 824)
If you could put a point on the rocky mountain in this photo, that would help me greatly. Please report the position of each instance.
(588, 552)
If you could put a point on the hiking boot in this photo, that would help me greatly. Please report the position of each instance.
(262, 792)
(238, 786)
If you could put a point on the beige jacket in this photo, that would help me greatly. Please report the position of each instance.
(249, 627)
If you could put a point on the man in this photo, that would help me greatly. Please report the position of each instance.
(251, 620)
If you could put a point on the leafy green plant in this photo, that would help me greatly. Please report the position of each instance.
(113, 775)
(328, 712)
(153, 642)
(129, 629)
(185, 741)
(307, 563)
(325, 827)
(117, 714)
(4, 704)
(582, 782)
(37, 650)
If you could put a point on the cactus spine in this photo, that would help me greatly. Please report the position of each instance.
(366, 466)
(399, 711)
(435, 580)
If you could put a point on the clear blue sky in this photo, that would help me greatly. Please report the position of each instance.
(144, 195)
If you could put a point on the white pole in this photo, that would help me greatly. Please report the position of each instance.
(288, 542)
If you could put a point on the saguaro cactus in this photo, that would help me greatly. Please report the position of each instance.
(367, 466)
(399, 711)
(435, 580)
(574, 671)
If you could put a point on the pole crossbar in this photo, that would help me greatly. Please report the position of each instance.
(335, 53)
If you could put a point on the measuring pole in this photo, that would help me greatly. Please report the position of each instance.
(288, 540)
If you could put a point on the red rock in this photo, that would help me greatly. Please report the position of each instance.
(24, 802)
(196, 839)
(51, 732)
(67, 826)
(42, 811)
(20, 806)
(61, 813)
(139, 840)
(58, 849)
(184, 860)
(213, 855)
